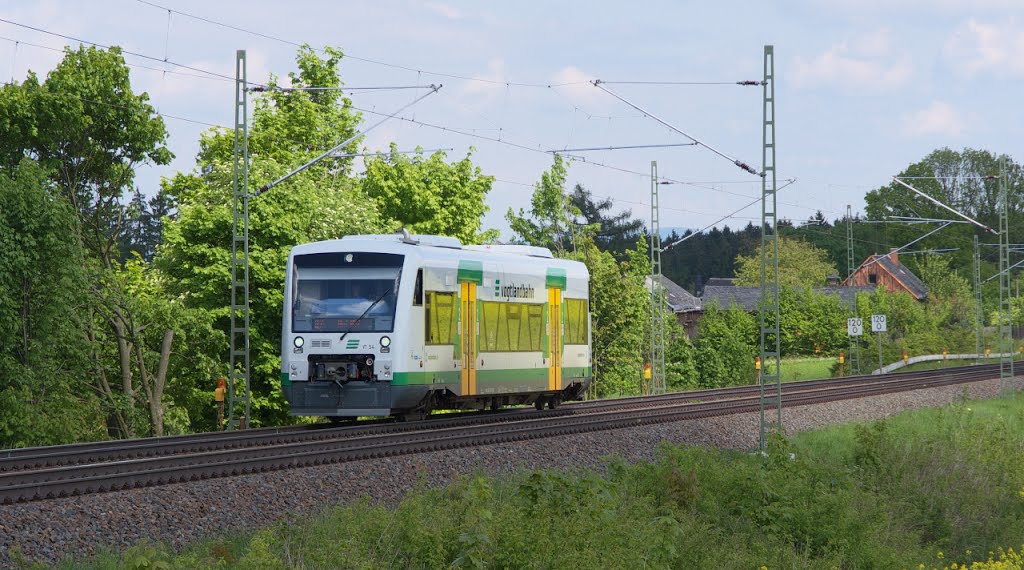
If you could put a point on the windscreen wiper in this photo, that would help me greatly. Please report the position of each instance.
(358, 320)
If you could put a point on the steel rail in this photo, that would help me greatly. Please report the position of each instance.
(45, 457)
(74, 480)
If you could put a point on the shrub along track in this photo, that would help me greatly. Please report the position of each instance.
(50, 472)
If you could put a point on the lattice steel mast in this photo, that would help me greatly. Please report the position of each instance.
(658, 384)
(850, 268)
(979, 314)
(769, 318)
(238, 361)
(1005, 329)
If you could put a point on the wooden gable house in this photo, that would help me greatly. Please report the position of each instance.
(887, 272)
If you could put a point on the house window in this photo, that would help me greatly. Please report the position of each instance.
(872, 278)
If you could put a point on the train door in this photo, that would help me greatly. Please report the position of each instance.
(468, 334)
(555, 338)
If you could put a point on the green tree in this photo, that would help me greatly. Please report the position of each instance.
(620, 313)
(811, 322)
(800, 265)
(87, 127)
(725, 347)
(616, 233)
(288, 129)
(47, 391)
(429, 195)
(90, 131)
(680, 358)
(966, 180)
(549, 222)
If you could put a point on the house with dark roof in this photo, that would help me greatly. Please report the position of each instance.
(683, 304)
(749, 298)
(886, 271)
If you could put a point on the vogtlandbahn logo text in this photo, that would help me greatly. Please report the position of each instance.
(514, 291)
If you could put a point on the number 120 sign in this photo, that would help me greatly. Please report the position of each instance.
(877, 323)
(855, 326)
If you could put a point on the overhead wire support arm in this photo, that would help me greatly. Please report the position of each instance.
(268, 88)
(418, 150)
(339, 146)
(598, 83)
(941, 205)
(745, 82)
(723, 218)
(625, 147)
(899, 249)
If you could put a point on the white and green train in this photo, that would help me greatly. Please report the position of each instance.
(378, 325)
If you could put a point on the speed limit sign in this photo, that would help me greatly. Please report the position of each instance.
(877, 323)
(855, 326)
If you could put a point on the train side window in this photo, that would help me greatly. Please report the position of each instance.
(511, 327)
(440, 317)
(536, 325)
(417, 293)
(576, 321)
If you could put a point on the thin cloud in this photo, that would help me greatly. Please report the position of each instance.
(937, 119)
(445, 10)
(871, 67)
(976, 47)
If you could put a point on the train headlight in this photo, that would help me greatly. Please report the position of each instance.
(385, 341)
(298, 342)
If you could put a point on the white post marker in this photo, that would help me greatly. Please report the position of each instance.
(854, 326)
(878, 326)
(877, 323)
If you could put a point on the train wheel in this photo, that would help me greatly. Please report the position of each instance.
(539, 403)
(553, 402)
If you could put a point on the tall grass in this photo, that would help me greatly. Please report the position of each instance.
(936, 487)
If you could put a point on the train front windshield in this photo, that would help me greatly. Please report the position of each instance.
(339, 292)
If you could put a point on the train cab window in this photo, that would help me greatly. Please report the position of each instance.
(417, 293)
(440, 317)
(576, 321)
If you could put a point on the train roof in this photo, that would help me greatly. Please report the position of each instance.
(440, 247)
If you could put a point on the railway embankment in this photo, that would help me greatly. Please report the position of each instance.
(182, 514)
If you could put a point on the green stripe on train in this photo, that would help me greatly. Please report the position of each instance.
(555, 278)
(499, 375)
(470, 272)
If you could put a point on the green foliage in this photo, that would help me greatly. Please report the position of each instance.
(549, 222)
(87, 127)
(912, 327)
(43, 396)
(950, 302)
(811, 322)
(879, 495)
(288, 129)
(726, 346)
(430, 196)
(616, 233)
(709, 254)
(680, 357)
(620, 317)
(800, 265)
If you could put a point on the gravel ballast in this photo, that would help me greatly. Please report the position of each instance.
(187, 512)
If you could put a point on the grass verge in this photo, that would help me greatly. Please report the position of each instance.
(934, 487)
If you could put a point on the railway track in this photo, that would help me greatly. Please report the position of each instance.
(43, 473)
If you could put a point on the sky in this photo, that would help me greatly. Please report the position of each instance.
(864, 88)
